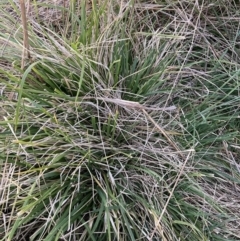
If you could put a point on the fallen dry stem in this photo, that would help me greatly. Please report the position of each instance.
(163, 132)
(131, 104)
(136, 105)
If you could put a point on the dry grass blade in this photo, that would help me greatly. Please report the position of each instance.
(170, 196)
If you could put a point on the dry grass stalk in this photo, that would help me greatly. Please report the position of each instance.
(164, 133)
(26, 51)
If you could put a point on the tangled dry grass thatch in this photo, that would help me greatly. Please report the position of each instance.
(123, 124)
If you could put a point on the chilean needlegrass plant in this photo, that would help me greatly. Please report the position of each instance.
(123, 124)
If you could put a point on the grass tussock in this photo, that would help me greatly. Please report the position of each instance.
(122, 123)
